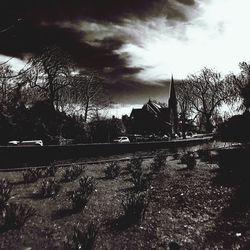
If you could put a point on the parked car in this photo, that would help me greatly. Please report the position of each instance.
(121, 139)
(31, 143)
(26, 143)
(13, 143)
(165, 138)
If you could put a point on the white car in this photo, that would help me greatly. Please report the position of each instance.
(31, 143)
(13, 143)
(121, 139)
(26, 143)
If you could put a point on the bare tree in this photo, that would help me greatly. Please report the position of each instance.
(5, 84)
(207, 92)
(87, 94)
(53, 73)
(11, 86)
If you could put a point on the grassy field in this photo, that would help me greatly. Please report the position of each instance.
(195, 208)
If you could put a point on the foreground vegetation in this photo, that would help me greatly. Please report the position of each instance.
(159, 203)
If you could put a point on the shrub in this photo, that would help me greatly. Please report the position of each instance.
(71, 173)
(189, 160)
(49, 188)
(31, 175)
(83, 239)
(81, 196)
(134, 207)
(5, 192)
(112, 170)
(159, 161)
(135, 164)
(50, 171)
(15, 215)
(140, 180)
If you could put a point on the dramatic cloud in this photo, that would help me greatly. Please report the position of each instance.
(135, 43)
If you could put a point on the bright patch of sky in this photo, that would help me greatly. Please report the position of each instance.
(217, 35)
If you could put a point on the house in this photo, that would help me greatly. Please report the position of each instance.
(156, 118)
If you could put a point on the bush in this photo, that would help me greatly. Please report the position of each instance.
(159, 161)
(134, 207)
(71, 173)
(15, 215)
(112, 170)
(189, 160)
(83, 239)
(50, 171)
(5, 192)
(140, 180)
(49, 188)
(81, 196)
(31, 175)
(135, 164)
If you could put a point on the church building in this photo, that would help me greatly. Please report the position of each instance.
(156, 118)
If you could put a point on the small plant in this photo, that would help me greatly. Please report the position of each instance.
(83, 239)
(15, 215)
(189, 160)
(140, 180)
(159, 161)
(81, 196)
(50, 171)
(49, 188)
(112, 170)
(87, 184)
(134, 207)
(31, 175)
(138, 177)
(5, 192)
(135, 164)
(71, 173)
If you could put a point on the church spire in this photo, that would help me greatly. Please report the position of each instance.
(172, 104)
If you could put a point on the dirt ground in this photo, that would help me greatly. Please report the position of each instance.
(197, 209)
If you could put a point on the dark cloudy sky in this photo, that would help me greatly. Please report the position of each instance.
(137, 44)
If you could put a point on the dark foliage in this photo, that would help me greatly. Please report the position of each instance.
(135, 164)
(71, 173)
(159, 161)
(80, 197)
(106, 130)
(31, 175)
(235, 160)
(15, 215)
(83, 239)
(5, 192)
(134, 208)
(205, 155)
(235, 129)
(141, 181)
(49, 171)
(48, 188)
(189, 160)
(112, 170)
(139, 178)
(40, 121)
